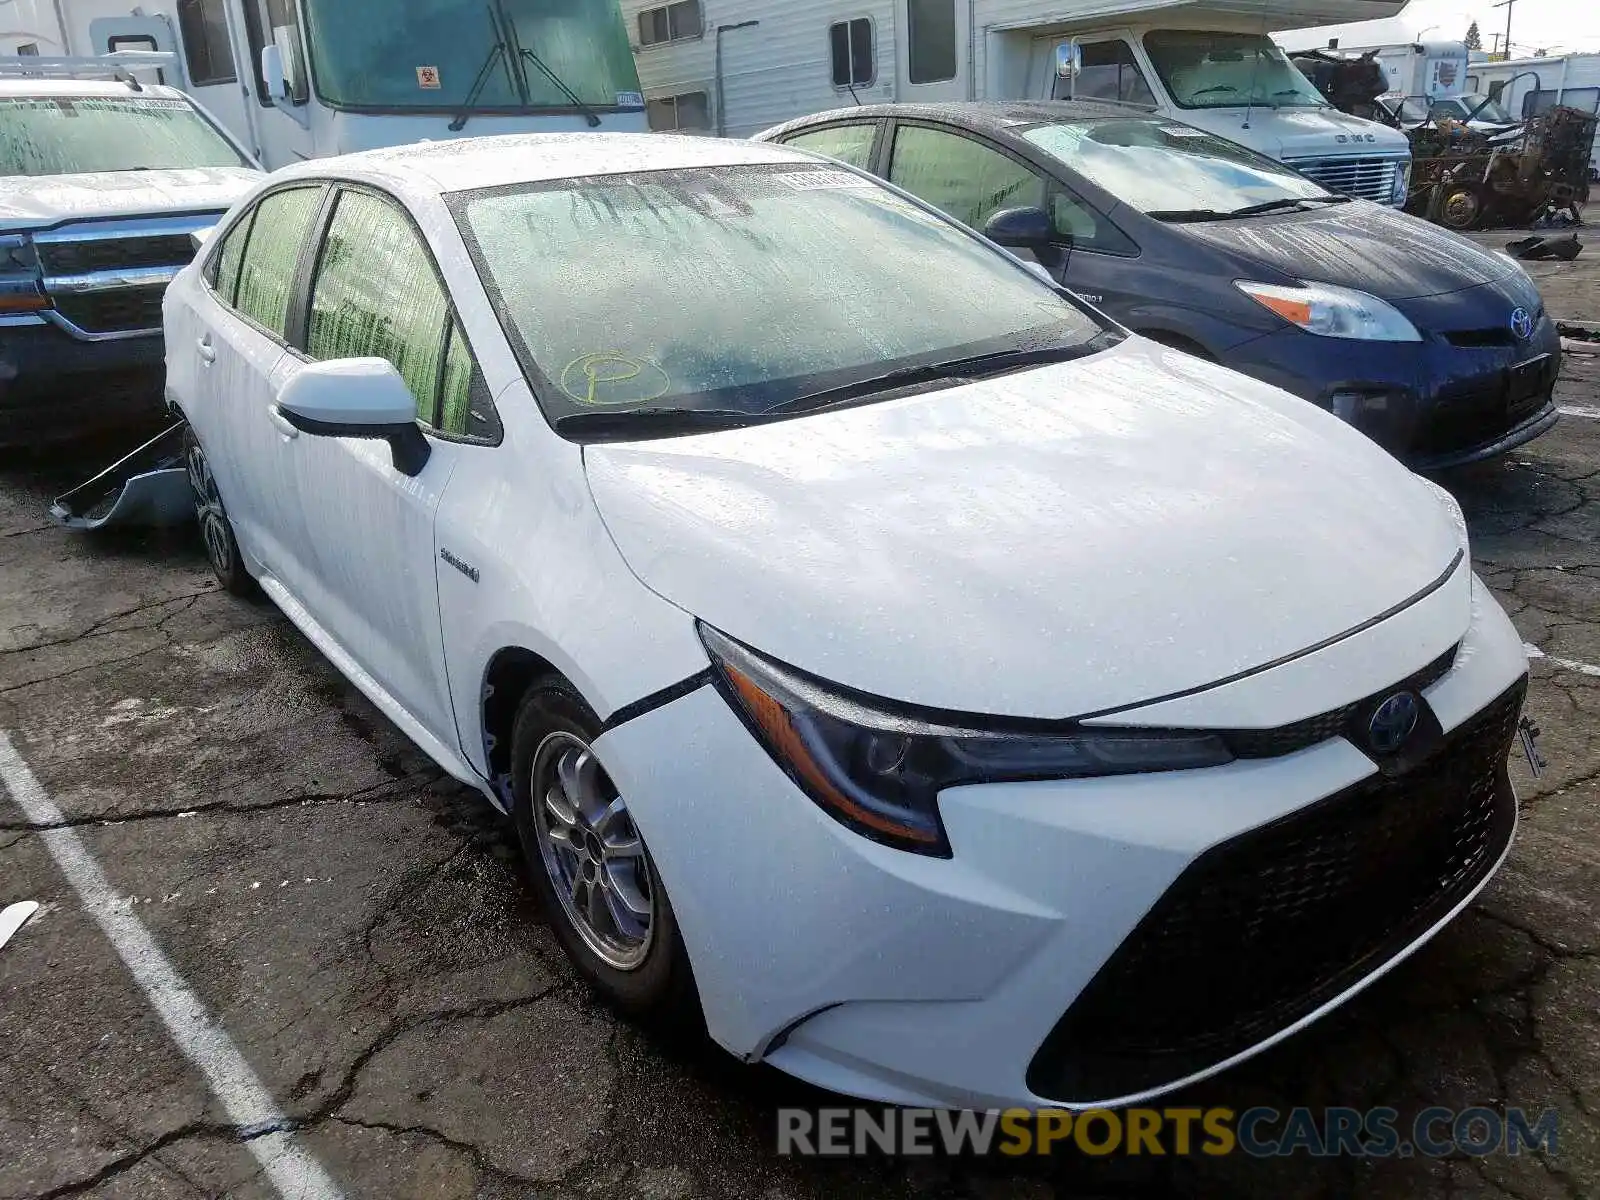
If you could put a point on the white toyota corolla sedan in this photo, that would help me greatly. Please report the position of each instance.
(956, 699)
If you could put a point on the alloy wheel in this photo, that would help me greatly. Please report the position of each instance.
(209, 512)
(592, 853)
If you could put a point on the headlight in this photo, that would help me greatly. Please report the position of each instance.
(1329, 311)
(878, 768)
(1402, 183)
(19, 278)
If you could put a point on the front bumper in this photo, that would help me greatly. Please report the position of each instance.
(1432, 404)
(54, 386)
(940, 982)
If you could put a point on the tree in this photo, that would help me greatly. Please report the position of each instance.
(1474, 38)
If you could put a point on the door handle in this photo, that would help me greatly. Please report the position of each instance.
(275, 415)
(208, 352)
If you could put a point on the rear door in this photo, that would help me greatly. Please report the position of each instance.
(931, 57)
(233, 352)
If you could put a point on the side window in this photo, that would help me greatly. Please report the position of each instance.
(1086, 227)
(671, 23)
(689, 110)
(962, 178)
(848, 143)
(1109, 73)
(222, 270)
(277, 234)
(854, 53)
(376, 295)
(203, 25)
(465, 406)
(932, 39)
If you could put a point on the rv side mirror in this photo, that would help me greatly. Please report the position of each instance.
(272, 74)
(1069, 60)
(1020, 228)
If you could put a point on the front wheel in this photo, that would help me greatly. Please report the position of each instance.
(589, 864)
(216, 530)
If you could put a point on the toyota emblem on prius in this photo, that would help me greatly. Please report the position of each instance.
(1522, 323)
(1392, 723)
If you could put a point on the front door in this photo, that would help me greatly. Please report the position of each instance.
(933, 53)
(370, 575)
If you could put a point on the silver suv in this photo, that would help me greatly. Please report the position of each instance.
(102, 186)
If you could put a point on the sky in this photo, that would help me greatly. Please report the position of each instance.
(1555, 25)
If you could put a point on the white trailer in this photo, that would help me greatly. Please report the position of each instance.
(1529, 86)
(735, 67)
(296, 79)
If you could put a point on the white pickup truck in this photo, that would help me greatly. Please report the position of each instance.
(102, 184)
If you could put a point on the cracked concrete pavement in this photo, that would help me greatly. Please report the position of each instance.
(357, 924)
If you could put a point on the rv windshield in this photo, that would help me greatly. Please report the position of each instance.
(71, 135)
(1228, 70)
(425, 54)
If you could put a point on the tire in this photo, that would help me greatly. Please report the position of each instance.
(216, 530)
(593, 895)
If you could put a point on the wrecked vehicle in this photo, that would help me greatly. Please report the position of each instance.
(1465, 178)
(103, 183)
(1437, 349)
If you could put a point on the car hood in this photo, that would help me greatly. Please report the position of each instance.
(38, 201)
(1359, 245)
(1081, 537)
(1301, 133)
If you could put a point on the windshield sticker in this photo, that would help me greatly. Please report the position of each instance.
(1181, 131)
(608, 378)
(428, 79)
(811, 181)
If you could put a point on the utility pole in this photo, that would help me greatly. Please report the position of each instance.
(1508, 5)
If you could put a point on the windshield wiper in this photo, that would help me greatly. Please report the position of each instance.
(507, 51)
(973, 367)
(1180, 215)
(627, 424)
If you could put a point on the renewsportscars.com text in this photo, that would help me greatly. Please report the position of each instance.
(1257, 1132)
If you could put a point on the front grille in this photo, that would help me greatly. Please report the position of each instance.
(114, 254)
(1368, 178)
(1301, 735)
(120, 311)
(1262, 930)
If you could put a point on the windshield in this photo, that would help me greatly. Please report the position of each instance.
(742, 288)
(1408, 111)
(1222, 70)
(425, 54)
(1161, 166)
(1493, 111)
(67, 135)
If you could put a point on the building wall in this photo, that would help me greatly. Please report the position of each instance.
(779, 69)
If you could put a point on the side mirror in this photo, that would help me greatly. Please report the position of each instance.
(357, 398)
(273, 74)
(1020, 228)
(1069, 60)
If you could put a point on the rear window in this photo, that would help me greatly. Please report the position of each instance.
(66, 135)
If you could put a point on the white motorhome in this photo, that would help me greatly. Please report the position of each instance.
(736, 67)
(1529, 86)
(296, 79)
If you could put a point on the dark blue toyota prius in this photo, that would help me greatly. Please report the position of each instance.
(1439, 350)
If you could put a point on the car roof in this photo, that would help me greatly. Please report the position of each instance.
(12, 87)
(425, 170)
(992, 116)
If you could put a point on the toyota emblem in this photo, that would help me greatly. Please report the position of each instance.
(1392, 723)
(1522, 323)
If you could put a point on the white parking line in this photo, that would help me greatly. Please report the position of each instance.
(1570, 664)
(1578, 410)
(293, 1172)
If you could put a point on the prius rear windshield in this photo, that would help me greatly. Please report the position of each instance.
(69, 135)
(740, 288)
